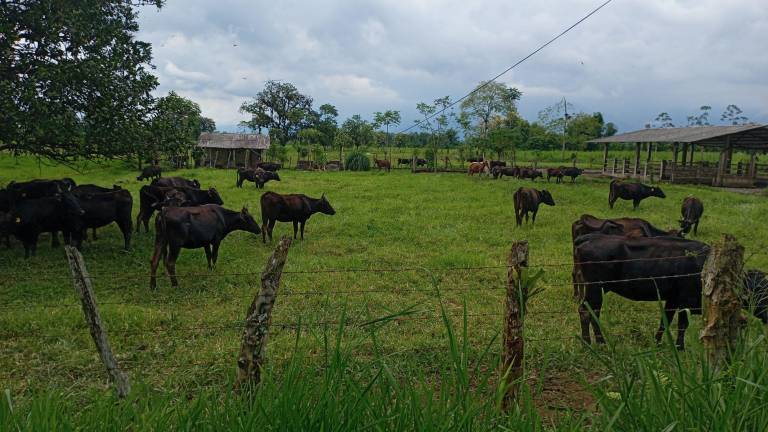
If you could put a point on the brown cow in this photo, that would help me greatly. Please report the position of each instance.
(382, 164)
(528, 200)
(479, 168)
(296, 208)
(630, 227)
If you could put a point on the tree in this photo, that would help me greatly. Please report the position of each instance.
(387, 118)
(732, 116)
(326, 124)
(553, 119)
(702, 119)
(360, 131)
(175, 127)
(74, 81)
(490, 98)
(340, 141)
(207, 124)
(664, 120)
(307, 139)
(609, 129)
(281, 108)
(583, 127)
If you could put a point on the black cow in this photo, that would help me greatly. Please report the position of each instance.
(499, 172)
(258, 176)
(640, 269)
(403, 161)
(496, 163)
(153, 198)
(104, 208)
(632, 227)
(6, 227)
(421, 162)
(176, 182)
(61, 212)
(557, 173)
(571, 172)
(635, 192)
(192, 228)
(531, 173)
(528, 200)
(150, 172)
(80, 190)
(38, 188)
(269, 166)
(691, 210)
(755, 294)
(5, 200)
(296, 208)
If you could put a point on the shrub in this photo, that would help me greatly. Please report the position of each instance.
(357, 160)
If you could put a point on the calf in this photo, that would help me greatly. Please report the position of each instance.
(150, 171)
(528, 200)
(530, 173)
(382, 164)
(296, 208)
(153, 198)
(60, 212)
(499, 172)
(635, 192)
(103, 208)
(557, 173)
(571, 172)
(250, 174)
(176, 182)
(192, 228)
(269, 166)
(691, 210)
(639, 269)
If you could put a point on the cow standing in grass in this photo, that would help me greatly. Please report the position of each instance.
(634, 192)
(691, 210)
(296, 208)
(479, 168)
(103, 208)
(152, 198)
(150, 172)
(528, 200)
(192, 228)
(60, 212)
(176, 182)
(382, 164)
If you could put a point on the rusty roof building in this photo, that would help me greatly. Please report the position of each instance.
(229, 150)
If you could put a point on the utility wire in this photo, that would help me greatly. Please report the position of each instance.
(519, 62)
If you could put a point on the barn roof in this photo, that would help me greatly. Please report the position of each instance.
(231, 141)
(752, 136)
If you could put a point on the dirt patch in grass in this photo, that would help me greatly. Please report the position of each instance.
(560, 393)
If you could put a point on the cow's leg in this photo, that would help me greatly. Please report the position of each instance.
(126, 229)
(153, 263)
(302, 229)
(533, 217)
(170, 263)
(682, 325)
(216, 252)
(295, 228)
(207, 249)
(593, 299)
(138, 222)
(271, 227)
(696, 228)
(666, 318)
(526, 216)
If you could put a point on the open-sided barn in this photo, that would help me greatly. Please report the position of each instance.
(229, 150)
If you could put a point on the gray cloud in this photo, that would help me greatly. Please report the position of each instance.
(631, 61)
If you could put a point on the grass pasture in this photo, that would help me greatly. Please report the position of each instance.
(418, 232)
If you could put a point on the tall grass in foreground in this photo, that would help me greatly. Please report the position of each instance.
(653, 391)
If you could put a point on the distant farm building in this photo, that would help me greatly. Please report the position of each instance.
(229, 150)
(750, 139)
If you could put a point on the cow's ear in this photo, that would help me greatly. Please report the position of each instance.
(244, 210)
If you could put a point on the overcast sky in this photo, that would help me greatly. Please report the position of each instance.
(631, 60)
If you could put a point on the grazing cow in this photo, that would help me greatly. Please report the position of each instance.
(755, 294)
(296, 208)
(571, 172)
(639, 269)
(495, 163)
(150, 172)
(192, 228)
(691, 210)
(382, 164)
(631, 227)
(403, 161)
(269, 166)
(528, 200)
(176, 182)
(153, 198)
(557, 173)
(81, 190)
(38, 188)
(250, 174)
(61, 212)
(531, 173)
(499, 172)
(632, 191)
(479, 168)
(104, 208)
(421, 162)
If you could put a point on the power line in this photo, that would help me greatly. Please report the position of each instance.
(519, 62)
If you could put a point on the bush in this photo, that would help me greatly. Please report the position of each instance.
(357, 161)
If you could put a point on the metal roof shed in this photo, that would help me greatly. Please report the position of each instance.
(227, 150)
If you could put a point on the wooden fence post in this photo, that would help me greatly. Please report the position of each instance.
(82, 282)
(721, 282)
(514, 344)
(254, 344)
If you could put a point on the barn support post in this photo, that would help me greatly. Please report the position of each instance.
(662, 170)
(253, 348)
(685, 154)
(82, 281)
(693, 153)
(636, 171)
(752, 170)
(723, 162)
(514, 344)
(605, 158)
(649, 156)
(722, 317)
(615, 162)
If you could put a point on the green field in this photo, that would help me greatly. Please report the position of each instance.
(446, 231)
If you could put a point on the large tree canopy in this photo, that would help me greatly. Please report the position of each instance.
(282, 109)
(490, 99)
(74, 82)
(175, 126)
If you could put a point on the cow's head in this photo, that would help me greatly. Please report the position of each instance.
(70, 203)
(195, 183)
(214, 196)
(685, 226)
(249, 224)
(546, 197)
(323, 206)
(657, 192)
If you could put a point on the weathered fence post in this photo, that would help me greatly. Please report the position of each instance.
(721, 280)
(514, 344)
(254, 344)
(82, 282)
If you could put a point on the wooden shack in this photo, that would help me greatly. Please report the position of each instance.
(751, 139)
(230, 150)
